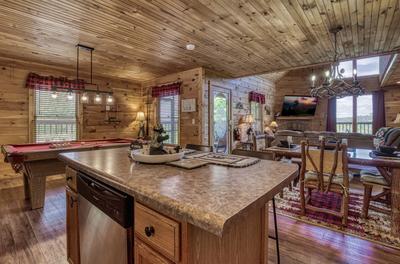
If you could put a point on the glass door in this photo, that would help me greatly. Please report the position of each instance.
(220, 119)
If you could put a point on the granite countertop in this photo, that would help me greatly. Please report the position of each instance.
(209, 197)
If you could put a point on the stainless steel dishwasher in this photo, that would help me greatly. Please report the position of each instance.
(105, 223)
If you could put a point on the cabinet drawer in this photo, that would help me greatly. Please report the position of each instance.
(146, 255)
(70, 177)
(160, 232)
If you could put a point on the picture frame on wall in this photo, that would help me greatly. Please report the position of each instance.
(188, 105)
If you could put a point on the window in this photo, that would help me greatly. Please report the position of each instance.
(354, 114)
(255, 110)
(55, 118)
(364, 67)
(169, 117)
(347, 66)
(368, 66)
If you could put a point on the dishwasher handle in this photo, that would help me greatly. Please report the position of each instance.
(115, 204)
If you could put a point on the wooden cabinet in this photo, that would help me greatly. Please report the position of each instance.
(146, 255)
(157, 233)
(72, 226)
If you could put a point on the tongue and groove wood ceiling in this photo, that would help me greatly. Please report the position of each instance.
(140, 40)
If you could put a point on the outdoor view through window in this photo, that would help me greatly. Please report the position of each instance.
(361, 107)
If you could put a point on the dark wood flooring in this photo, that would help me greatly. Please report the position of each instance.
(38, 236)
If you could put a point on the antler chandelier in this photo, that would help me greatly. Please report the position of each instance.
(333, 83)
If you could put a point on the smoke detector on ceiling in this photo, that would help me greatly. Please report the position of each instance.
(190, 46)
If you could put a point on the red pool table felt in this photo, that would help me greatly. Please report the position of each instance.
(26, 148)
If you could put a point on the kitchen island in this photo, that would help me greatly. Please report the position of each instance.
(212, 214)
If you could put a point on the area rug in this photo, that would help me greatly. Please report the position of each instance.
(376, 228)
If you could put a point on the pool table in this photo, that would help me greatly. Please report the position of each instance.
(37, 161)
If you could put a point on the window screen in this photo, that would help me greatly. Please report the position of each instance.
(169, 117)
(55, 118)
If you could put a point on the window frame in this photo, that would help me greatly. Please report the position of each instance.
(178, 126)
(354, 115)
(354, 62)
(32, 116)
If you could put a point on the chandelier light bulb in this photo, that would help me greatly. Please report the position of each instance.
(313, 78)
(355, 72)
(327, 73)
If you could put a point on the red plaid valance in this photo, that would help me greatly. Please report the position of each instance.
(166, 90)
(257, 97)
(35, 81)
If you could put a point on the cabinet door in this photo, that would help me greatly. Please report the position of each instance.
(146, 255)
(72, 227)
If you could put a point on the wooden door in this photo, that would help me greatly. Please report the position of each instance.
(146, 255)
(72, 227)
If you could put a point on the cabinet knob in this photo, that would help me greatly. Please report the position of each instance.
(149, 231)
(69, 178)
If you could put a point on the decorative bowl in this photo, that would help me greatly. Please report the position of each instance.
(137, 155)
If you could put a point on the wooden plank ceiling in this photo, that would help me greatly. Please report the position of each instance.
(142, 39)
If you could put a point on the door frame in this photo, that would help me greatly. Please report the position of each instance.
(212, 89)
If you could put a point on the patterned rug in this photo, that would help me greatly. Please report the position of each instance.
(376, 228)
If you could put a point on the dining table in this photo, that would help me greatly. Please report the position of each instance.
(388, 167)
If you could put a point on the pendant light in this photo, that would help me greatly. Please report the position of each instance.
(70, 96)
(110, 99)
(54, 93)
(84, 98)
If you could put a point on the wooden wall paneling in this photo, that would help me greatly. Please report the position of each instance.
(297, 82)
(240, 88)
(17, 111)
(143, 40)
(392, 105)
(192, 82)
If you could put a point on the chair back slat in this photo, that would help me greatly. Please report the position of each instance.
(324, 163)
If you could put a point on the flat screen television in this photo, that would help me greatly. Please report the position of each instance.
(294, 105)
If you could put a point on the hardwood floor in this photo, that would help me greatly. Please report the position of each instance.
(39, 236)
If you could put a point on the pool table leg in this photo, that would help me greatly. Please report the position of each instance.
(26, 187)
(37, 188)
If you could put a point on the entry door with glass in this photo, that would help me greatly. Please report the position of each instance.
(220, 119)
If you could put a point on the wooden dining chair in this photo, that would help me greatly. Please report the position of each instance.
(199, 147)
(325, 171)
(371, 179)
(259, 142)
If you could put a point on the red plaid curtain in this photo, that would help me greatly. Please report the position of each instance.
(257, 97)
(166, 90)
(37, 82)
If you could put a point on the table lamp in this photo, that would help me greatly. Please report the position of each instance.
(249, 119)
(140, 118)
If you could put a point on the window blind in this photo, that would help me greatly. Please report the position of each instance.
(169, 117)
(55, 118)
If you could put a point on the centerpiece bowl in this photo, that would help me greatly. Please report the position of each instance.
(138, 155)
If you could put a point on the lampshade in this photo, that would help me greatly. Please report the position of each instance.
(273, 124)
(249, 119)
(140, 116)
(397, 120)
